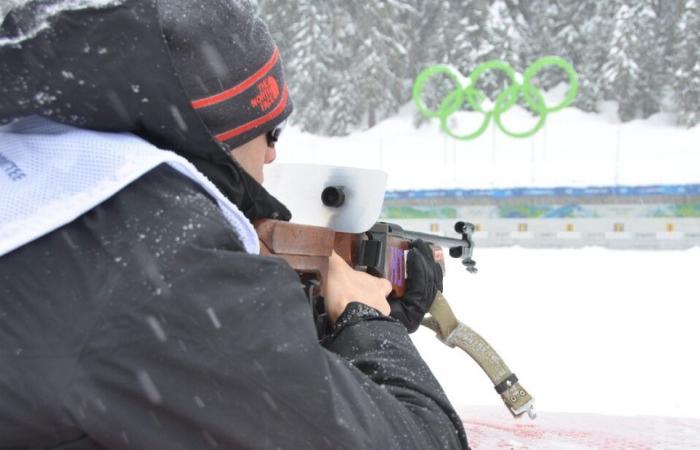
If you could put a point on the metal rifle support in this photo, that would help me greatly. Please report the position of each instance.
(459, 248)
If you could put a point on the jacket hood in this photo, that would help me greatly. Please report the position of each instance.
(107, 67)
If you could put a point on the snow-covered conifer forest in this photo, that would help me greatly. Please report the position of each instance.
(351, 64)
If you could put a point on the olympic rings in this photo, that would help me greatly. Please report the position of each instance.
(465, 90)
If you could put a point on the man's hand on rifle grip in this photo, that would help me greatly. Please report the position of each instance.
(345, 285)
(424, 279)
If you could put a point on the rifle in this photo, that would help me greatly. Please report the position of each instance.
(381, 252)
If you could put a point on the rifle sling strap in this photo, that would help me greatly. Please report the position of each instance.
(454, 333)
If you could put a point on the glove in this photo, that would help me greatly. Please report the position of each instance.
(424, 279)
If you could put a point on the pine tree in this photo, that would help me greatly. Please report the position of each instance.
(537, 29)
(632, 46)
(468, 34)
(279, 17)
(345, 100)
(686, 59)
(380, 66)
(504, 42)
(428, 42)
(652, 42)
(557, 28)
(304, 32)
(582, 30)
(519, 17)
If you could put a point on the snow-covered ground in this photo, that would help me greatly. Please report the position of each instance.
(574, 149)
(593, 334)
(587, 331)
(590, 331)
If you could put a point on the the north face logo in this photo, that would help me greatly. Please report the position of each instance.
(268, 93)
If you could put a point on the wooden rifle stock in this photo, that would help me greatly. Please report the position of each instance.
(307, 250)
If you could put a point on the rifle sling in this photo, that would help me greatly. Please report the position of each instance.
(452, 332)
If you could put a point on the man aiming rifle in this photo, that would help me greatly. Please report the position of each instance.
(135, 311)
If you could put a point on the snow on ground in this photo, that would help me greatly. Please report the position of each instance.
(586, 331)
(574, 149)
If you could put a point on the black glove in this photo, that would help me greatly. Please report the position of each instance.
(424, 279)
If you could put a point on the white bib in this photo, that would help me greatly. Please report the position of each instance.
(51, 174)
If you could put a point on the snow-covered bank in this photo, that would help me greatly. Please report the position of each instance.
(574, 149)
(587, 331)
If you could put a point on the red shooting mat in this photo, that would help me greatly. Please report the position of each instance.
(490, 428)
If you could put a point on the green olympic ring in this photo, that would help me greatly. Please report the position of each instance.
(466, 91)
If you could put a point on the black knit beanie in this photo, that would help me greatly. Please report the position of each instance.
(228, 65)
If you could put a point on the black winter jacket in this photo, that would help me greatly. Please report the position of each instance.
(143, 325)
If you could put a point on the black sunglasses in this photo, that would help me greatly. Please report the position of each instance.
(274, 135)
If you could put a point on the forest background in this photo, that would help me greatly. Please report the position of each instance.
(351, 64)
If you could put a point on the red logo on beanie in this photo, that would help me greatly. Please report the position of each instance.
(268, 93)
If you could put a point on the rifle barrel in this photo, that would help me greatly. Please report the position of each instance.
(432, 238)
